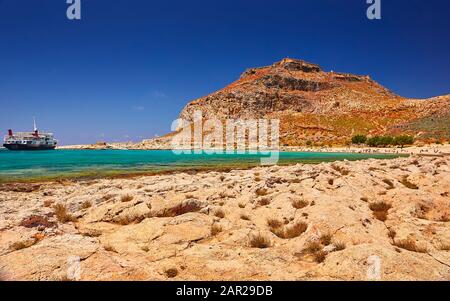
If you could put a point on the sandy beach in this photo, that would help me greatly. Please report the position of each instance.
(331, 221)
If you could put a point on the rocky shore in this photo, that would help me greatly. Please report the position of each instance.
(372, 219)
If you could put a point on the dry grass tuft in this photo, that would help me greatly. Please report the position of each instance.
(86, 205)
(340, 169)
(290, 232)
(380, 210)
(107, 197)
(180, 209)
(410, 245)
(325, 239)
(320, 256)
(392, 234)
(408, 184)
(259, 241)
(315, 249)
(48, 203)
(245, 217)
(19, 245)
(274, 223)
(339, 246)
(389, 183)
(126, 198)
(299, 204)
(444, 218)
(215, 229)
(261, 191)
(62, 215)
(219, 213)
(444, 246)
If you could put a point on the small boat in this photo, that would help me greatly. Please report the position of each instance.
(29, 140)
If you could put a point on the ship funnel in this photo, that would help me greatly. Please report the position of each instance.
(10, 133)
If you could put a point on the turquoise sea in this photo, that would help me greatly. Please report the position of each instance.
(58, 164)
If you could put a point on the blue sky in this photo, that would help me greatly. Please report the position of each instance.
(128, 67)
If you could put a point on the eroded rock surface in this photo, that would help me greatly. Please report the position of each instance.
(328, 221)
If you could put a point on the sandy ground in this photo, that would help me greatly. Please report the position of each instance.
(364, 220)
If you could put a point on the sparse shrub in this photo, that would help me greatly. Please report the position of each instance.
(62, 215)
(171, 273)
(36, 221)
(408, 184)
(359, 139)
(264, 202)
(86, 205)
(410, 245)
(330, 181)
(219, 213)
(241, 205)
(403, 140)
(190, 196)
(299, 204)
(257, 179)
(389, 183)
(222, 178)
(259, 241)
(261, 192)
(126, 198)
(309, 143)
(364, 199)
(215, 229)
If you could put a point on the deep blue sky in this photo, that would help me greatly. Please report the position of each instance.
(129, 66)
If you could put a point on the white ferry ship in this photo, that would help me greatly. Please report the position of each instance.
(29, 140)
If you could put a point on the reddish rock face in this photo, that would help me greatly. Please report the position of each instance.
(322, 107)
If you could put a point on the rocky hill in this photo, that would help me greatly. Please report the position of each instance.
(323, 107)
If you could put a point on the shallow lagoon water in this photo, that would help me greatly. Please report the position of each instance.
(57, 164)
